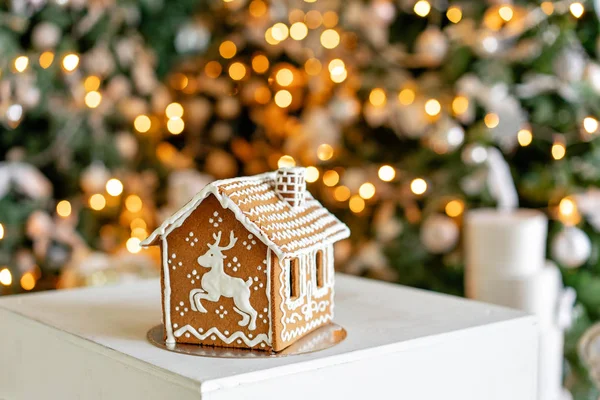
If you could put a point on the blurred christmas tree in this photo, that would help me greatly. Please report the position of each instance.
(398, 109)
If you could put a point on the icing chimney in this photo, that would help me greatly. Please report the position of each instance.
(290, 185)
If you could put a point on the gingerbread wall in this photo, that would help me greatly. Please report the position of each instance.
(295, 318)
(244, 265)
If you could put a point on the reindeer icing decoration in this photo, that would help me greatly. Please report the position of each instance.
(216, 283)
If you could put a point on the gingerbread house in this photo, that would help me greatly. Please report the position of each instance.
(248, 263)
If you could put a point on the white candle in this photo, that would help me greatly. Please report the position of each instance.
(505, 243)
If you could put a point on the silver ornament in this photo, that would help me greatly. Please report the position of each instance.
(192, 38)
(571, 247)
(439, 234)
(569, 64)
(445, 136)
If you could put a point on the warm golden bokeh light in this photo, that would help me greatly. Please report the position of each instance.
(454, 14)
(97, 202)
(70, 62)
(46, 59)
(142, 123)
(590, 124)
(547, 7)
(576, 9)
(27, 281)
(283, 98)
(336, 66)
(406, 96)
(312, 66)
(491, 120)
(311, 174)
(330, 39)
(454, 208)
(138, 223)
(63, 208)
(227, 49)
(356, 204)
(213, 69)
(418, 186)
(237, 71)
(567, 207)
(175, 126)
(558, 151)
(313, 19)
(174, 110)
(506, 13)
(460, 105)
(366, 190)
(260, 63)
(298, 30)
(377, 97)
(433, 107)
(91, 83)
(386, 173)
(524, 137)
(133, 203)
(21, 63)
(422, 8)
(133, 245)
(331, 178)
(324, 152)
(286, 161)
(341, 193)
(262, 95)
(1, 231)
(5, 277)
(330, 19)
(284, 77)
(257, 8)
(114, 187)
(269, 37)
(93, 99)
(280, 31)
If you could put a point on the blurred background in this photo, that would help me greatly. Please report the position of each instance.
(407, 114)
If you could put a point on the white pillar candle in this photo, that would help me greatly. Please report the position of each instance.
(505, 243)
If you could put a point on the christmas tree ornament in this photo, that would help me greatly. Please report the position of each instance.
(474, 154)
(569, 64)
(192, 38)
(439, 234)
(46, 35)
(431, 46)
(94, 177)
(571, 247)
(445, 136)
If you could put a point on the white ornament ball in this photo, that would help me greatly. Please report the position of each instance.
(474, 154)
(94, 177)
(439, 234)
(569, 64)
(192, 38)
(571, 247)
(45, 35)
(432, 46)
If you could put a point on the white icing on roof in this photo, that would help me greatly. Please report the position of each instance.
(285, 229)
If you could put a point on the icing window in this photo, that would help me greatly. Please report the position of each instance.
(320, 268)
(294, 278)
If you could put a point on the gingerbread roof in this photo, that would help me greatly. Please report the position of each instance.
(285, 229)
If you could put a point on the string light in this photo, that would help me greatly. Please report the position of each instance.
(139, 233)
(114, 187)
(284, 77)
(311, 174)
(377, 97)
(547, 7)
(133, 245)
(97, 202)
(491, 120)
(576, 9)
(298, 30)
(324, 152)
(339, 77)
(237, 71)
(27, 281)
(330, 39)
(406, 97)
(567, 207)
(454, 208)
(558, 150)
(91, 83)
(179, 81)
(454, 14)
(142, 123)
(366, 190)
(283, 98)
(506, 13)
(286, 162)
(356, 204)
(46, 59)
(460, 105)
(418, 186)
(63, 208)
(21, 63)
(341, 193)
(262, 95)
(227, 49)
(1, 231)
(70, 62)
(524, 137)
(260, 64)
(312, 66)
(280, 31)
(138, 223)
(433, 107)
(174, 110)
(590, 124)
(269, 37)
(386, 173)
(175, 126)
(295, 15)
(5, 277)
(93, 99)
(330, 19)
(336, 66)
(212, 69)
(331, 178)
(133, 203)
(313, 19)
(422, 8)
(257, 8)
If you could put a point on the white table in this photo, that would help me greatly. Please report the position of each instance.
(402, 344)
